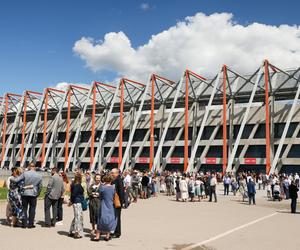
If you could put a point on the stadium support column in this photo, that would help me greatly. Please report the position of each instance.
(121, 123)
(245, 118)
(274, 167)
(93, 126)
(167, 124)
(224, 119)
(186, 123)
(268, 149)
(161, 130)
(207, 111)
(272, 126)
(68, 128)
(24, 125)
(231, 126)
(45, 126)
(4, 129)
(195, 117)
(152, 123)
(131, 130)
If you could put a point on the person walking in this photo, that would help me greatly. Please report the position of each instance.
(29, 196)
(54, 192)
(293, 194)
(63, 199)
(227, 182)
(183, 186)
(212, 187)
(135, 185)
(77, 197)
(145, 183)
(107, 220)
(94, 202)
(251, 191)
(177, 188)
(117, 181)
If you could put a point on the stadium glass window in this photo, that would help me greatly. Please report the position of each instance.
(215, 151)
(279, 127)
(256, 151)
(219, 134)
(261, 131)
(111, 135)
(294, 151)
(207, 131)
(282, 150)
(179, 152)
(246, 132)
(139, 134)
(165, 151)
(199, 151)
(61, 137)
(171, 134)
(190, 133)
(145, 152)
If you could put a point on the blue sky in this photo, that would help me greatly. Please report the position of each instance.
(37, 37)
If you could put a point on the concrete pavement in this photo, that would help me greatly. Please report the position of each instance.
(162, 223)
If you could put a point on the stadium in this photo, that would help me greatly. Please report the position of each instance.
(221, 123)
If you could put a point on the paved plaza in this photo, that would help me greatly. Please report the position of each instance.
(162, 223)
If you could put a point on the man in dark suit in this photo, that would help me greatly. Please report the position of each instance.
(120, 191)
(293, 192)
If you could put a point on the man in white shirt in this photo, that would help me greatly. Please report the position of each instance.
(127, 188)
(212, 187)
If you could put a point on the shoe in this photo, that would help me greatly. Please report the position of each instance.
(71, 234)
(95, 239)
(32, 226)
(108, 239)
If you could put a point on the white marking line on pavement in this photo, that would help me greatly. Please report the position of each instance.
(228, 232)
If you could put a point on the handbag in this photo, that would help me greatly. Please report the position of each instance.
(117, 203)
(84, 204)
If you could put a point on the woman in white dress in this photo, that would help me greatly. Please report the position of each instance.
(183, 186)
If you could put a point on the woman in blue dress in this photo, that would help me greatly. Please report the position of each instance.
(107, 220)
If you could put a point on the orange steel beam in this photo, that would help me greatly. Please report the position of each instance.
(78, 87)
(196, 75)
(131, 81)
(24, 125)
(45, 126)
(68, 128)
(56, 90)
(163, 78)
(152, 123)
(12, 94)
(33, 92)
(121, 123)
(224, 119)
(186, 122)
(268, 152)
(93, 125)
(105, 85)
(4, 128)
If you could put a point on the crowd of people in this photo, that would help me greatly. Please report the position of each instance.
(106, 193)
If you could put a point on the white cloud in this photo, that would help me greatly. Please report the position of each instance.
(201, 43)
(64, 85)
(145, 6)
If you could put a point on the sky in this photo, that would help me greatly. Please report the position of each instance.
(46, 43)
